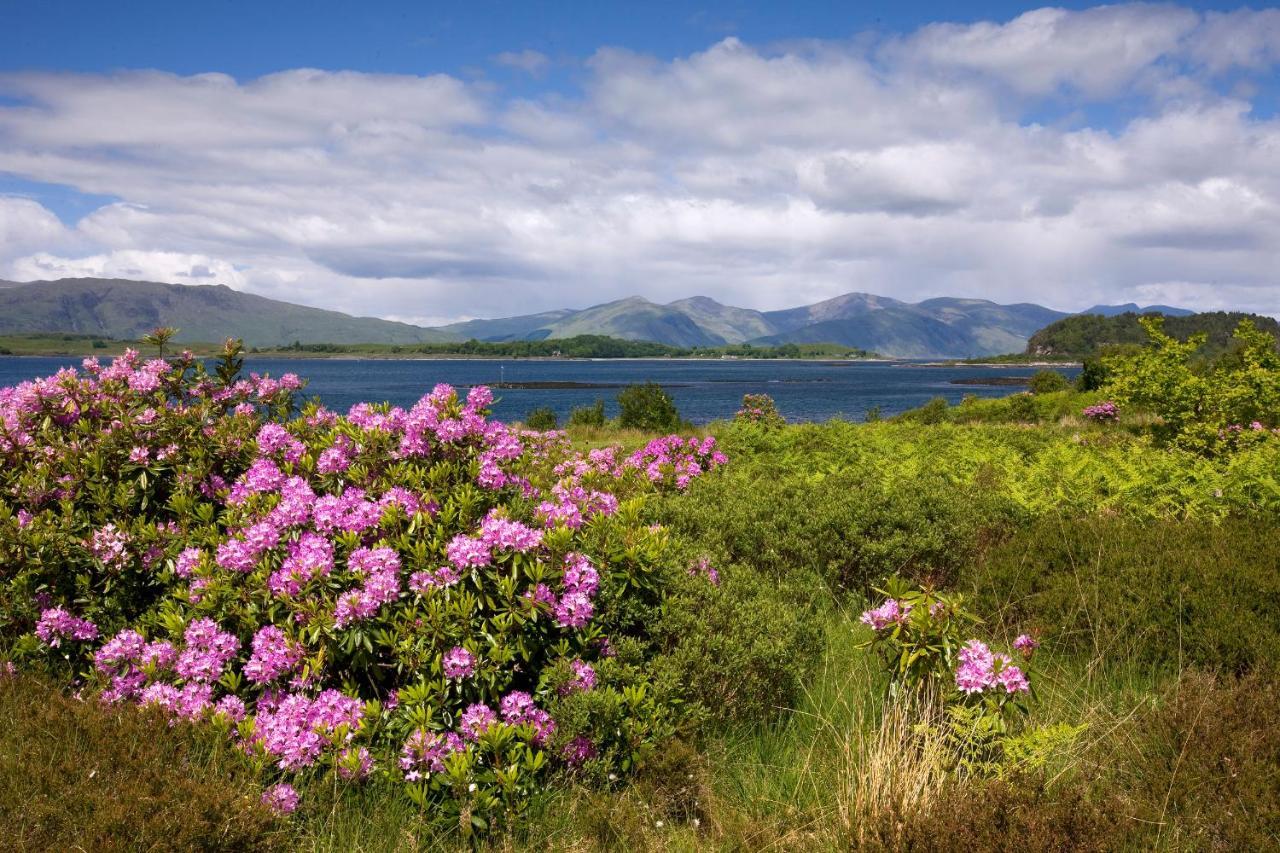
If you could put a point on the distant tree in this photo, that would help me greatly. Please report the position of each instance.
(647, 407)
(588, 416)
(542, 419)
(1048, 382)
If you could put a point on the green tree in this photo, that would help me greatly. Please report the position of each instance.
(542, 419)
(647, 407)
(1048, 382)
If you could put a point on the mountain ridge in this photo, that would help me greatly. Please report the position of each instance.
(940, 327)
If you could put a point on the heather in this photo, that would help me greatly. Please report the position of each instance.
(1008, 624)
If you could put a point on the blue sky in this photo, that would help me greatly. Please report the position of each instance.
(452, 160)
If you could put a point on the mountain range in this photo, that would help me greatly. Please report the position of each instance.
(935, 328)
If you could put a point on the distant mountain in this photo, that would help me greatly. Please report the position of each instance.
(124, 309)
(637, 319)
(1133, 308)
(530, 327)
(935, 328)
(1085, 335)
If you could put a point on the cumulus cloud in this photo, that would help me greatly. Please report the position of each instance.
(1111, 154)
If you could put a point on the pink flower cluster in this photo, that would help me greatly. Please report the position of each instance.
(518, 708)
(458, 663)
(677, 458)
(56, 624)
(273, 655)
(1102, 412)
(108, 546)
(296, 729)
(889, 613)
(424, 752)
(981, 670)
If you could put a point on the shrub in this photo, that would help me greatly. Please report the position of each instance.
(760, 409)
(588, 416)
(275, 605)
(1159, 593)
(1205, 410)
(744, 647)
(647, 407)
(78, 775)
(932, 412)
(1048, 382)
(542, 419)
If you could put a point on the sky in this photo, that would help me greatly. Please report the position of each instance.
(431, 162)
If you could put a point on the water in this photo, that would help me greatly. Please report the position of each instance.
(703, 390)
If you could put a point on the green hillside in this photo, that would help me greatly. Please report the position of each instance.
(117, 308)
(1085, 335)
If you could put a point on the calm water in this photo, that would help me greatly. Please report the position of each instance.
(703, 390)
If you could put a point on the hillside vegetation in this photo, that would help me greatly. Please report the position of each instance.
(1087, 335)
(1045, 622)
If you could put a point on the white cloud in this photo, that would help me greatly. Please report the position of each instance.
(963, 160)
(528, 61)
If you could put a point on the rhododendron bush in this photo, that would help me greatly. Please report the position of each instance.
(423, 594)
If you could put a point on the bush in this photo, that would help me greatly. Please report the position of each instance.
(274, 604)
(760, 409)
(744, 648)
(932, 412)
(1160, 593)
(588, 416)
(80, 775)
(1048, 382)
(542, 419)
(647, 407)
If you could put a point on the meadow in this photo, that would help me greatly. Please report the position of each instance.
(1045, 622)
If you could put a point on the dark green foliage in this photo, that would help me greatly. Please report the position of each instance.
(1162, 593)
(1086, 335)
(648, 407)
(1048, 382)
(543, 418)
(79, 775)
(1093, 375)
(588, 416)
(932, 412)
(745, 648)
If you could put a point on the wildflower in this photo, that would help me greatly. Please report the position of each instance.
(1013, 680)
(477, 720)
(578, 751)
(458, 663)
(56, 624)
(1026, 644)
(584, 678)
(426, 751)
(889, 613)
(273, 656)
(281, 798)
(573, 610)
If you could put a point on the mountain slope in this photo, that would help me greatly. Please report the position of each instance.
(733, 325)
(637, 319)
(842, 307)
(528, 327)
(125, 309)
(1085, 335)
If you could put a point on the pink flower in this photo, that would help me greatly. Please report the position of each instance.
(584, 678)
(476, 720)
(458, 663)
(889, 613)
(1014, 680)
(281, 798)
(1026, 644)
(56, 624)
